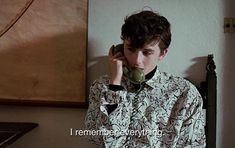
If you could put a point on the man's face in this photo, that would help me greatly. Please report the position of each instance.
(145, 58)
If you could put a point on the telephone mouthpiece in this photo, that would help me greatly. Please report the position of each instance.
(135, 75)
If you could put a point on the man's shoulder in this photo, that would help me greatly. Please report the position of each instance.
(174, 80)
(185, 87)
(177, 82)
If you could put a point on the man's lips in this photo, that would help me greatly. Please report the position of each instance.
(137, 68)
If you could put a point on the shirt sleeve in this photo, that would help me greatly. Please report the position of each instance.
(100, 119)
(192, 132)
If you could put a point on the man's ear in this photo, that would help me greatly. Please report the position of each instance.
(163, 53)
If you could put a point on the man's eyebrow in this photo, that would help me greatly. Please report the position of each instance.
(149, 49)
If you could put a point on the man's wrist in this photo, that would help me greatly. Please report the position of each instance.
(116, 81)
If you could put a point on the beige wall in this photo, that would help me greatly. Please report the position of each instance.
(197, 28)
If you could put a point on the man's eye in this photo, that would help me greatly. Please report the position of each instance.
(147, 52)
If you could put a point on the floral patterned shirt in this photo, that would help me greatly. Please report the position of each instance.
(165, 111)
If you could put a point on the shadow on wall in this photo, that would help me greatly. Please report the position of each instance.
(196, 73)
(99, 67)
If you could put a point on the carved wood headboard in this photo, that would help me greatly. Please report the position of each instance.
(208, 90)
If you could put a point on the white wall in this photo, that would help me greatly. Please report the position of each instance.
(197, 28)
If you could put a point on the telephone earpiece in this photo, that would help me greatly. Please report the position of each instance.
(118, 48)
(135, 75)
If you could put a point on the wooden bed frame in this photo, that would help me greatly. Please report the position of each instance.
(208, 90)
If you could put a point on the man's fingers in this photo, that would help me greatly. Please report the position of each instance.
(111, 51)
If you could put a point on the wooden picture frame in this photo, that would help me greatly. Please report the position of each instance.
(43, 52)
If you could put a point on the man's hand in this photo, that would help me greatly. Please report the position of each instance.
(116, 62)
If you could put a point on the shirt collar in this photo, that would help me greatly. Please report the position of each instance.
(154, 80)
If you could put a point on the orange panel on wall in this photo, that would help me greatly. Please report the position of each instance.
(43, 54)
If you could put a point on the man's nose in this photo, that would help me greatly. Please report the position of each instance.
(138, 59)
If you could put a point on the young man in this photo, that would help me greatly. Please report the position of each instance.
(162, 111)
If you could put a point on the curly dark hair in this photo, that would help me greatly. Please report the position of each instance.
(145, 27)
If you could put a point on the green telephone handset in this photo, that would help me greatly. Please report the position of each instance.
(135, 75)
